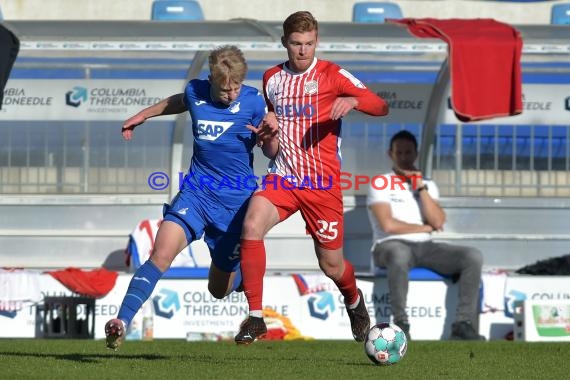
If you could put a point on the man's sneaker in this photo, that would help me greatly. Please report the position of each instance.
(115, 333)
(405, 326)
(359, 319)
(464, 331)
(251, 329)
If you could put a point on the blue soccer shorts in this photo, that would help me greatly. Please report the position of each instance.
(221, 227)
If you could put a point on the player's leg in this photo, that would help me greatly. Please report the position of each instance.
(323, 213)
(224, 276)
(340, 270)
(260, 217)
(170, 240)
(181, 225)
(222, 235)
(222, 283)
(266, 208)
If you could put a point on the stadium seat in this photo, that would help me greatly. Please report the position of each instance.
(176, 10)
(560, 14)
(415, 274)
(375, 12)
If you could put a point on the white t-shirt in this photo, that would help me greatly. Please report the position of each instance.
(405, 205)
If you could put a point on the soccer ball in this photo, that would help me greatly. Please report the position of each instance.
(385, 344)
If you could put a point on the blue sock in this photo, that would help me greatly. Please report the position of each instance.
(140, 288)
(237, 279)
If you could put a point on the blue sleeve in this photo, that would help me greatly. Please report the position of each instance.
(260, 109)
(188, 94)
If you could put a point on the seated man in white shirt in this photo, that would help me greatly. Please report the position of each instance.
(403, 216)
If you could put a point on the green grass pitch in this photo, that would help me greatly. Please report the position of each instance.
(318, 359)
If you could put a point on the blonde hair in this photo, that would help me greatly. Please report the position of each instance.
(227, 64)
(299, 22)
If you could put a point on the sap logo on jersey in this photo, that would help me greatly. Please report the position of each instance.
(295, 110)
(211, 130)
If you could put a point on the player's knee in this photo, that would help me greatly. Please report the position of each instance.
(248, 226)
(251, 229)
(161, 261)
(331, 269)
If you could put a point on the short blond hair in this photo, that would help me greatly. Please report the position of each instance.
(299, 22)
(227, 64)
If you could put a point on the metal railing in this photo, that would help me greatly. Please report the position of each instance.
(468, 160)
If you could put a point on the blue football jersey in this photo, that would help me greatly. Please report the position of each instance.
(222, 163)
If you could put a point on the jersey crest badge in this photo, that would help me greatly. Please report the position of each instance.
(311, 87)
(234, 108)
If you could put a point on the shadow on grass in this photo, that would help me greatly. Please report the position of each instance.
(83, 358)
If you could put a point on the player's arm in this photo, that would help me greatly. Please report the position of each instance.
(269, 136)
(172, 105)
(369, 102)
(382, 212)
(270, 148)
(267, 131)
(354, 95)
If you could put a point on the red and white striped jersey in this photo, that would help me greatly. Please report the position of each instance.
(309, 140)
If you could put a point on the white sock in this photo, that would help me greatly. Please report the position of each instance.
(355, 304)
(256, 313)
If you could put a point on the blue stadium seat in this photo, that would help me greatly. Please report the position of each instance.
(542, 142)
(377, 12)
(560, 14)
(415, 274)
(176, 10)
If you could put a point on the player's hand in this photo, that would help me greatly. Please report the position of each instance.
(130, 125)
(267, 129)
(342, 106)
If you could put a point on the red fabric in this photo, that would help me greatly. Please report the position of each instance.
(309, 139)
(347, 284)
(252, 271)
(484, 59)
(315, 206)
(96, 283)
